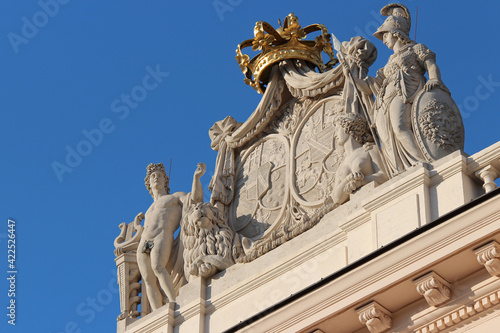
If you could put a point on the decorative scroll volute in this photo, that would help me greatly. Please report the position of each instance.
(489, 256)
(434, 288)
(127, 270)
(376, 318)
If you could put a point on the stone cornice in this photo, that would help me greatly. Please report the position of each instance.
(321, 247)
(189, 311)
(412, 258)
(483, 158)
(390, 191)
(154, 321)
(448, 169)
(465, 312)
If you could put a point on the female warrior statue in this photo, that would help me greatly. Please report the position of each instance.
(396, 86)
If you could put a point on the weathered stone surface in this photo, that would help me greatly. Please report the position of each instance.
(352, 153)
(489, 256)
(159, 256)
(207, 240)
(434, 288)
(376, 318)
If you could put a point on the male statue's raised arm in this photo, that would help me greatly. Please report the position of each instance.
(197, 189)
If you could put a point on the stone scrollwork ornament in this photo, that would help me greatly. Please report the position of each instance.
(376, 318)
(434, 288)
(318, 135)
(489, 256)
(127, 271)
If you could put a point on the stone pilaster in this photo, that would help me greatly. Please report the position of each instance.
(129, 286)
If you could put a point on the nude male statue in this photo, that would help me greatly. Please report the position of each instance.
(160, 222)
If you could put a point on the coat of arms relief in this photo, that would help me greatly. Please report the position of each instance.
(322, 130)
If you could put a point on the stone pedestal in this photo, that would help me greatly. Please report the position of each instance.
(371, 249)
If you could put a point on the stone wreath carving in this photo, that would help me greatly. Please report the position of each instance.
(439, 125)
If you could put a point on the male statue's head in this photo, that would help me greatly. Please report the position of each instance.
(351, 124)
(156, 178)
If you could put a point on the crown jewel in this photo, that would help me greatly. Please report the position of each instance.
(286, 42)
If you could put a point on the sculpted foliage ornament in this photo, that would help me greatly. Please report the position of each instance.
(261, 41)
(313, 141)
(438, 125)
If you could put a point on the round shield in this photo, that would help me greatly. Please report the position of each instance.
(437, 124)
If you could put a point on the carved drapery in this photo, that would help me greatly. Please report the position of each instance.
(359, 54)
(222, 182)
(303, 81)
(275, 172)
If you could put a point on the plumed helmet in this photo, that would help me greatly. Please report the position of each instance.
(398, 20)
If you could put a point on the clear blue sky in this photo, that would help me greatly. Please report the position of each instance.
(69, 75)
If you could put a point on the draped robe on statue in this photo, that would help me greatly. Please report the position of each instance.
(395, 88)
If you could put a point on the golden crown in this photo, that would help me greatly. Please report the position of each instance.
(286, 42)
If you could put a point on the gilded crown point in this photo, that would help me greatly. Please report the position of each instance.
(286, 42)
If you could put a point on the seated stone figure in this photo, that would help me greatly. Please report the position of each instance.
(362, 163)
(157, 255)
